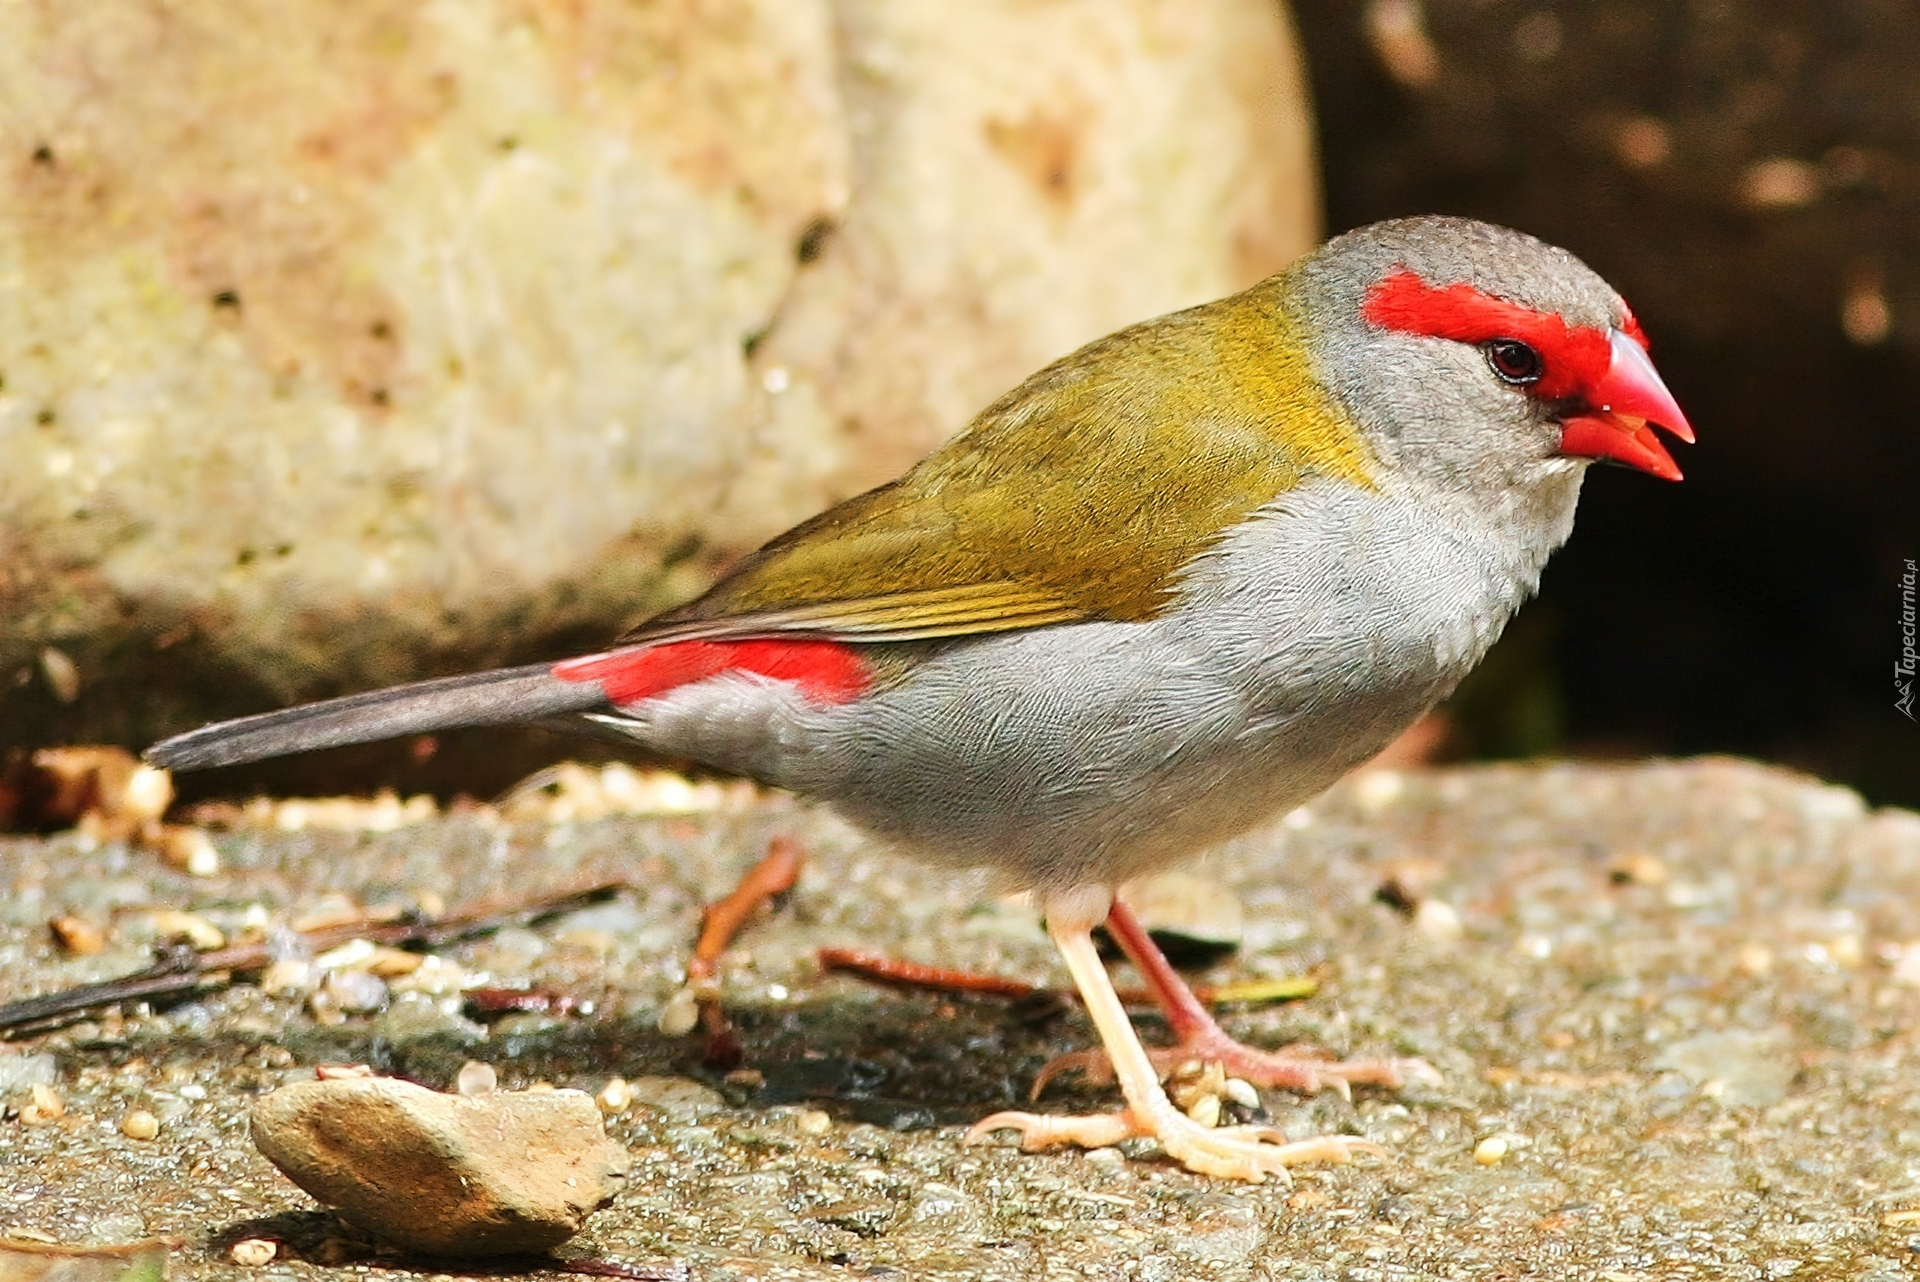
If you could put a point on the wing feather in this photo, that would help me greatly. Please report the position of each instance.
(1082, 494)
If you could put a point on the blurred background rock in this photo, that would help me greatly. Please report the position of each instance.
(341, 348)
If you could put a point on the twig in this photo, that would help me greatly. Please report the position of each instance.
(772, 876)
(905, 974)
(180, 972)
(934, 979)
(723, 919)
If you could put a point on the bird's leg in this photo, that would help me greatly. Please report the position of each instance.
(1233, 1152)
(1199, 1036)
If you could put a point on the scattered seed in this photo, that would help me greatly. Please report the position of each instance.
(289, 977)
(615, 1097)
(391, 963)
(171, 923)
(253, 1252)
(352, 955)
(188, 849)
(1490, 1150)
(78, 936)
(45, 1106)
(1641, 868)
(140, 1125)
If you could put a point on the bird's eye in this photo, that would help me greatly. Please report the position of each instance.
(1514, 361)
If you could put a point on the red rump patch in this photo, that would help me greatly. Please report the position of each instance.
(824, 671)
(1573, 358)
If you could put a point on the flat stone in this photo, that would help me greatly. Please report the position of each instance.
(454, 1175)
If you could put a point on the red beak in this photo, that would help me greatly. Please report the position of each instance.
(1624, 407)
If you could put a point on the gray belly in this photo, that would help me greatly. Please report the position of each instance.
(1094, 752)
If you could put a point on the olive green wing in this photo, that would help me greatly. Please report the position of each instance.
(1082, 494)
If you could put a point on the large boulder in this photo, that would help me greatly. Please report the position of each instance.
(342, 346)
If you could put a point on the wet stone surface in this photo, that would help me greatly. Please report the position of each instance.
(1673, 1006)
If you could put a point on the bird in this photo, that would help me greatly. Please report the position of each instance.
(1175, 583)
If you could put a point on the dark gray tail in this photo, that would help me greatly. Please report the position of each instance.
(494, 698)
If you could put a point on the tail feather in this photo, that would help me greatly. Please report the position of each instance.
(504, 695)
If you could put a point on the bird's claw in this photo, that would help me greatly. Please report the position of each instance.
(1306, 1070)
(1249, 1153)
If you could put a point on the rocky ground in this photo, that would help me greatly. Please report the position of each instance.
(1673, 1007)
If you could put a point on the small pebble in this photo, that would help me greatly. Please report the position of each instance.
(615, 1097)
(1490, 1150)
(1847, 951)
(61, 673)
(355, 992)
(18, 1071)
(253, 1252)
(477, 1078)
(1781, 182)
(433, 977)
(1437, 920)
(1376, 790)
(814, 1122)
(141, 1125)
(680, 1014)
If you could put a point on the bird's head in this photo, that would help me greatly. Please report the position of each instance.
(1478, 359)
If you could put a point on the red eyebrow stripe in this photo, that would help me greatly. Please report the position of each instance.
(1575, 358)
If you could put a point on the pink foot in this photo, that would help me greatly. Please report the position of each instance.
(1201, 1038)
(1303, 1069)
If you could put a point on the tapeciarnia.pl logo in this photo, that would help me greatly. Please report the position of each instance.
(1904, 665)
